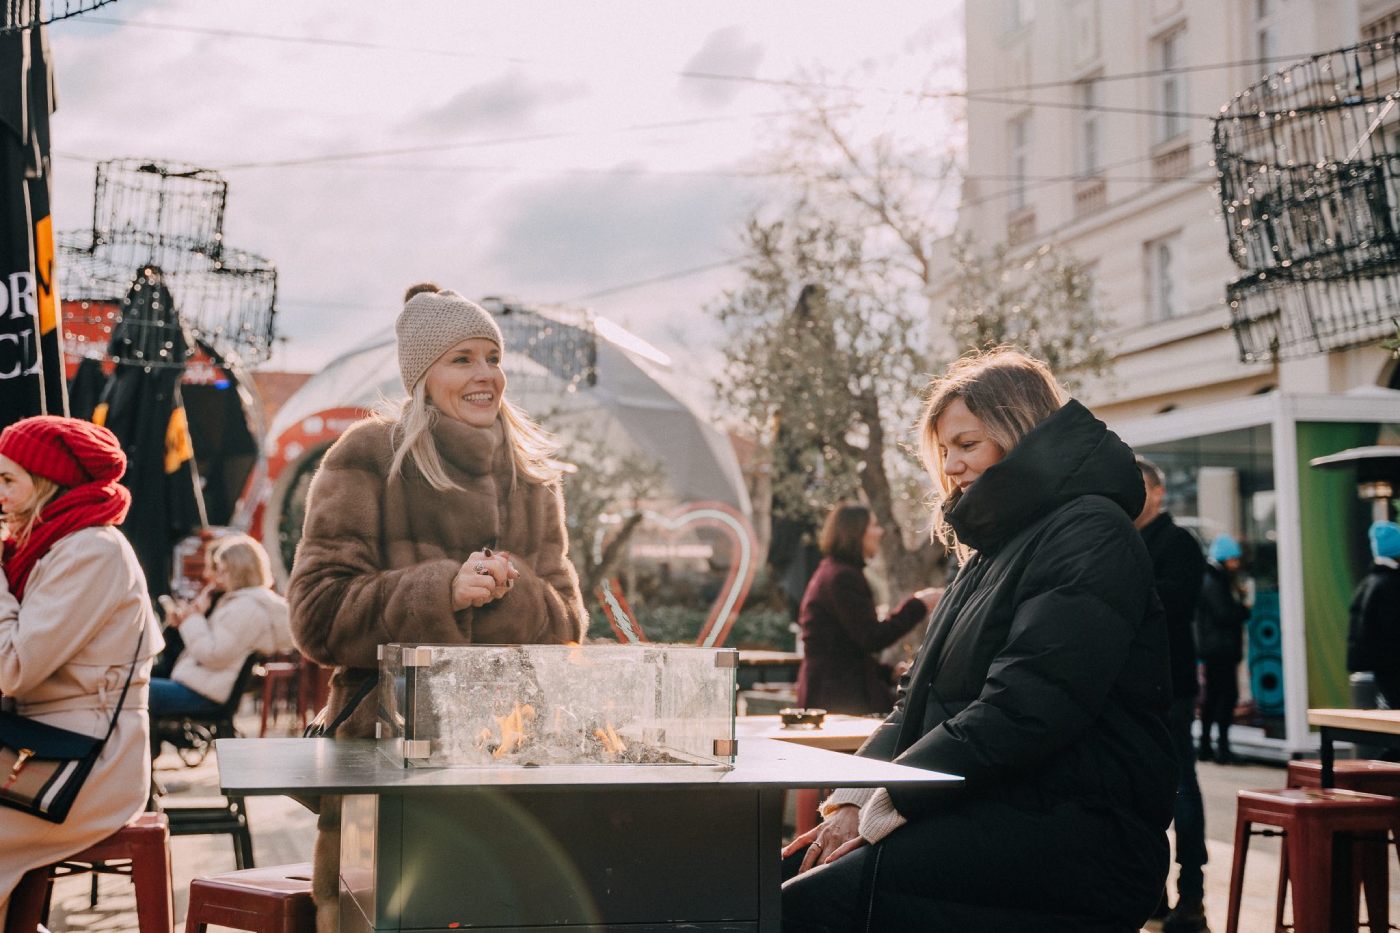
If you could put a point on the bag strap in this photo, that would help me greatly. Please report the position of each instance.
(356, 699)
(135, 659)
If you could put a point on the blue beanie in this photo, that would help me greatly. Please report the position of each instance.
(1385, 540)
(1223, 548)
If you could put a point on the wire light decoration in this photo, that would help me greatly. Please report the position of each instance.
(163, 222)
(26, 14)
(562, 345)
(1309, 182)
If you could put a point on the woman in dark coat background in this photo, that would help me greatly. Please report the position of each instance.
(841, 631)
(1043, 681)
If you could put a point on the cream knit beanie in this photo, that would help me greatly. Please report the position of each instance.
(432, 323)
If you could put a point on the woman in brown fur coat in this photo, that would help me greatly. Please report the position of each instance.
(444, 525)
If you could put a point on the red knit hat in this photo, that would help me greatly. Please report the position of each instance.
(66, 450)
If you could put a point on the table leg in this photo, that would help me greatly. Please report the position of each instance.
(1328, 757)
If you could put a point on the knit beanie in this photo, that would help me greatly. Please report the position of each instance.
(68, 451)
(432, 323)
(1224, 548)
(1385, 540)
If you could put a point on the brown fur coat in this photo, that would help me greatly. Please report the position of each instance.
(376, 562)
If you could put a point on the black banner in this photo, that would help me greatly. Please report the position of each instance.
(31, 333)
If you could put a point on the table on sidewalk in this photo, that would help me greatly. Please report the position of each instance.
(1368, 726)
(569, 849)
(838, 733)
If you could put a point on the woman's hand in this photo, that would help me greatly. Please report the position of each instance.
(200, 603)
(930, 597)
(838, 834)
(482, 578)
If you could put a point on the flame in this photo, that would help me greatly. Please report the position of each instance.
(612, 742)
(512, 728)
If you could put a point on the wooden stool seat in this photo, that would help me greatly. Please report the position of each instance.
(1367, 776)
(144, 843)
(262, 900)
(1316, 824)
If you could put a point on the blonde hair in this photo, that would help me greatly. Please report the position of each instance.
(244, 561)
(19, 524)
(1008, 391)
(532, 448)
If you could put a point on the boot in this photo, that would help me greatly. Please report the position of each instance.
(1186, 918)
(1205, 753)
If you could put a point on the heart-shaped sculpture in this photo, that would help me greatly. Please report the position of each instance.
(736, 586)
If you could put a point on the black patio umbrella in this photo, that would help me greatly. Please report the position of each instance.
(141, 405)
(31, 355)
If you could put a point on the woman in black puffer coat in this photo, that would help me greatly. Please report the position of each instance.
(1043, 682)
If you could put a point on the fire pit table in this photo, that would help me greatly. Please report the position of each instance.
(547, 788)
(632, 847)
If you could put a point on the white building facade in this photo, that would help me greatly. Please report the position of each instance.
(1128, 189)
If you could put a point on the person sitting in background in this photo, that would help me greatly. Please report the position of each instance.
(1220, 617)
(841, 630)
(75, 624)
(1373, 638)
(250, 618)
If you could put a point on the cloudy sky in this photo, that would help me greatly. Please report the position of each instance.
(556, 152)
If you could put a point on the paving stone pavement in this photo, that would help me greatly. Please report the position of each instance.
(283, 832)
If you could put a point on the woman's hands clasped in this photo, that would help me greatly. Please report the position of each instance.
(838, 834)
(484, 577)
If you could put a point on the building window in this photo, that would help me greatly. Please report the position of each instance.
(1171, 93)
(1266, 29)
(1019, 146)
(1019, 14)
(1090, 157)
(1163, 261)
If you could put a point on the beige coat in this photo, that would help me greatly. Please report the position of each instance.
(376, 562)
(247, 620)
(64, 655)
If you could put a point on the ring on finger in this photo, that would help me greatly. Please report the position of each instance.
(480, 568)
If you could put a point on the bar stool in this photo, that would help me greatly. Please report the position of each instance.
(280, 678)
(1369, 777)
(144, 843)
(1310, 820)
(262, 900)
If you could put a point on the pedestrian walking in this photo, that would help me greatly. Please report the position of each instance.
(1043, 682)
(75, 624)
(841, 629)
(442, 525)
(1373, 637)
(1220, 618)
(1178, 568)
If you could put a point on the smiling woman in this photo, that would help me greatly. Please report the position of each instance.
(443, 525)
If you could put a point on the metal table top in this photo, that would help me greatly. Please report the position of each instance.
(306, 767)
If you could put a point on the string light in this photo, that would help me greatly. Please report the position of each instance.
(1311, 204)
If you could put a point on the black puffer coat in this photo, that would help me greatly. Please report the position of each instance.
(1044, 683)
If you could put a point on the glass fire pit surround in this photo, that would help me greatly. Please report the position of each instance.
(512, 706)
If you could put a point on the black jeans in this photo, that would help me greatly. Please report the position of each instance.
(988, 867)
(1189, 820)
(1218, 707)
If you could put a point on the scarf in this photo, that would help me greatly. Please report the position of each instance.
(81, 507)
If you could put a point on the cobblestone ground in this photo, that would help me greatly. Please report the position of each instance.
(283, 832)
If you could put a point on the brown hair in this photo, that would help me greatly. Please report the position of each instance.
(243, 559)
(843, 532)
(1008, 391)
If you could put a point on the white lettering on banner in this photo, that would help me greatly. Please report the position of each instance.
(20, 295)
(22, 342)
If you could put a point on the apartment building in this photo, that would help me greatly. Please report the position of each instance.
(1089, 126)
(1109, 155)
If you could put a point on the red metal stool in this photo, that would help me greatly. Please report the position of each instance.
(1314, 822)
(263, 900)
(280, 677)
(1368, 777)
(144, 843)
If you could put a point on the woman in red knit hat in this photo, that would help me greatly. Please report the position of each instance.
(73, 615)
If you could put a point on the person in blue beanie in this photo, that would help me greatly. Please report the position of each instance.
(1220, 616)
(1373, 638)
